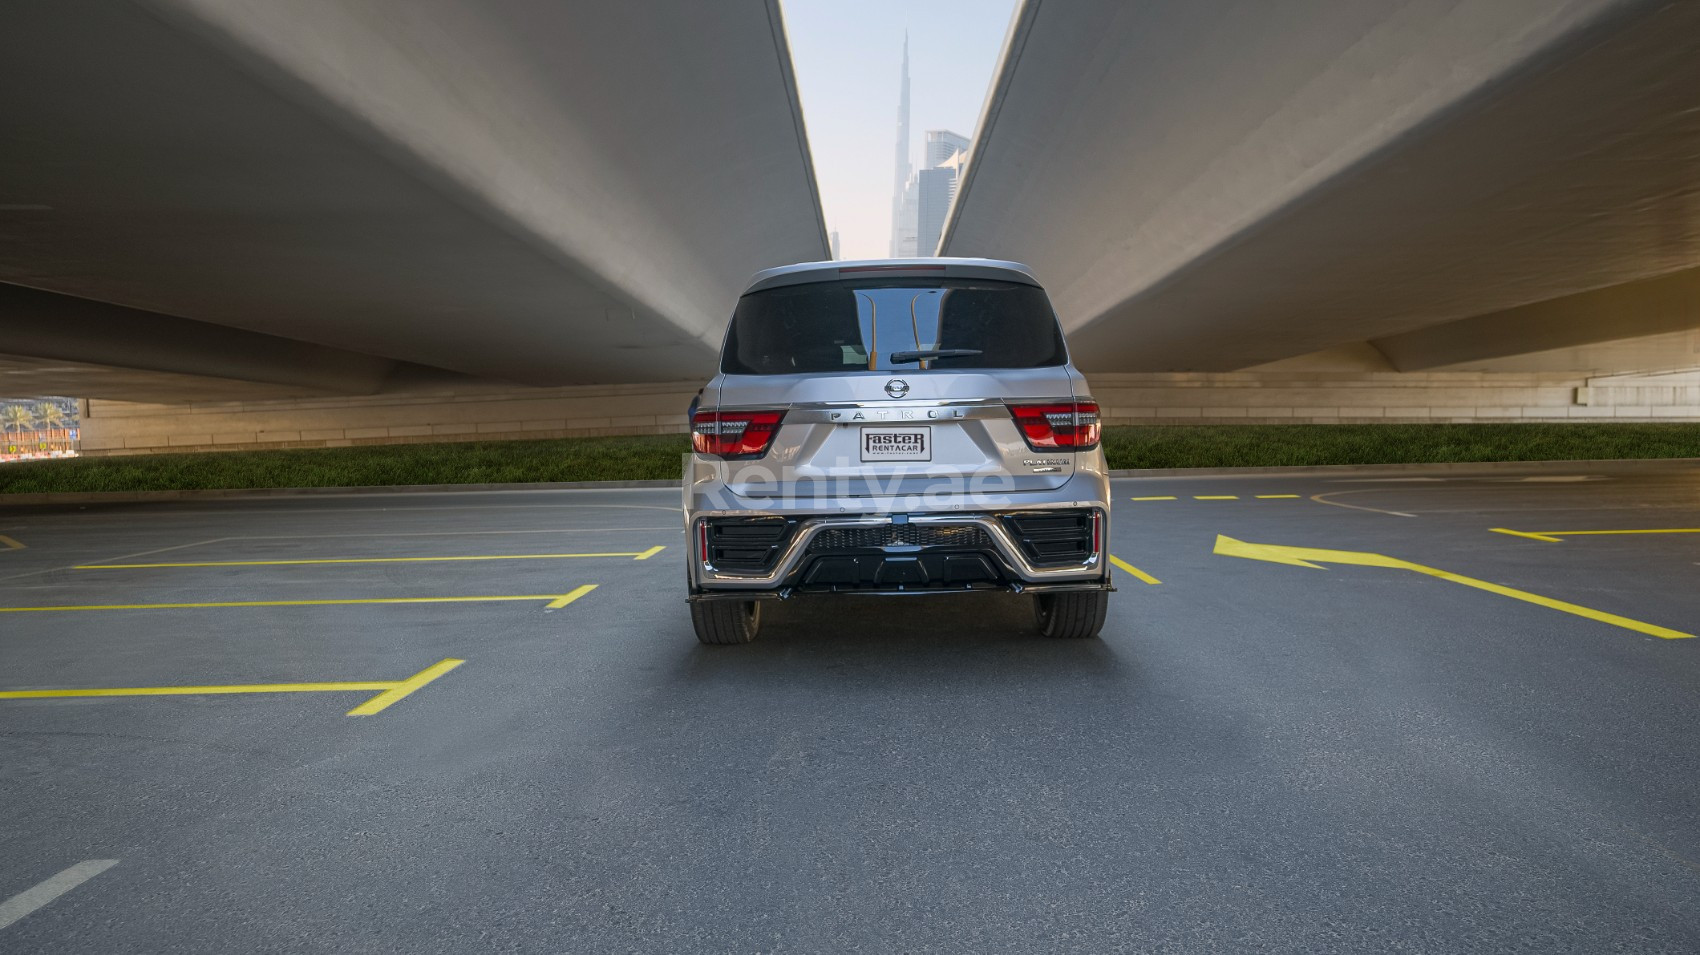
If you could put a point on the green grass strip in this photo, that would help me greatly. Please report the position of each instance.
(473, 462)
(1277, 445)
(658, 456)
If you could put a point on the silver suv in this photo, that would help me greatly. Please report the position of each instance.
(907, 426)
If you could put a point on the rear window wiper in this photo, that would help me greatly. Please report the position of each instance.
(905, 357)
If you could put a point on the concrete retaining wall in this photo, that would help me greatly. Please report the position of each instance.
(118, 427)
(1283, 397)
(1317, 397)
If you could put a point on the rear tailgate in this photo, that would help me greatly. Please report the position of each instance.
(847, 436)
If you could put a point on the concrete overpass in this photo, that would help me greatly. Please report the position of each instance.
(1210, 187)
(244, 199)
(261, 224)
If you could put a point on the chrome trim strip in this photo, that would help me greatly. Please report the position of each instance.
(857, 412)
(914, 403)
(1087, 584)
(1009, 552)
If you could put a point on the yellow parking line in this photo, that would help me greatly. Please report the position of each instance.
(10, 543)
(1558, 536)
(1643, 530)
(390, 691)
(1529, 534)
(639, 555)
(398, 691)
(555, 600)
(565, 599)
(196, 690)
(649, 553)
(1135, 571)
(1217, 497)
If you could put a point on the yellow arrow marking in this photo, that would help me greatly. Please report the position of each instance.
(1135, 571)
(392, 691)
(9, 543)
(1315, 557)
(1557, 536)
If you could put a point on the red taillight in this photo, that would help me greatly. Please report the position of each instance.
(734, 434)
(1069, 425)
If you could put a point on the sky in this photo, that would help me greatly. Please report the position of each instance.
(848, 55)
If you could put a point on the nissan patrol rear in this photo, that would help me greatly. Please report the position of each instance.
(896, 428)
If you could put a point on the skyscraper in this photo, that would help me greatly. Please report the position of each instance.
(947, 153)
(942, 144)
(937, 186)
(908, 244)
(902, 196)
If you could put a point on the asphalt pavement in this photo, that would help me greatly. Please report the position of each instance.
(1414, 713)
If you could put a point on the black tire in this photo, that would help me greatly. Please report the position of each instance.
(721, 622)
(1072, 615)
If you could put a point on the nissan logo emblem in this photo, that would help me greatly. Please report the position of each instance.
(897, 387)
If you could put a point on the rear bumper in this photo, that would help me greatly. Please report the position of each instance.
(899, 553)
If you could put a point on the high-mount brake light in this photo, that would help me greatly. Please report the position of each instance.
(734, 434)
(1062, 425)
(891, 268)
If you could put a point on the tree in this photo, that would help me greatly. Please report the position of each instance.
(50, 416)
(16, 417)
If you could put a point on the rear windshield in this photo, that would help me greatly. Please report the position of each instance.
(867, 325)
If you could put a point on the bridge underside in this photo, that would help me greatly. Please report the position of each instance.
(1210, 187)
(325, 197)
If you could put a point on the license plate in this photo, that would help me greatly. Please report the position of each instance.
(897, 444)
